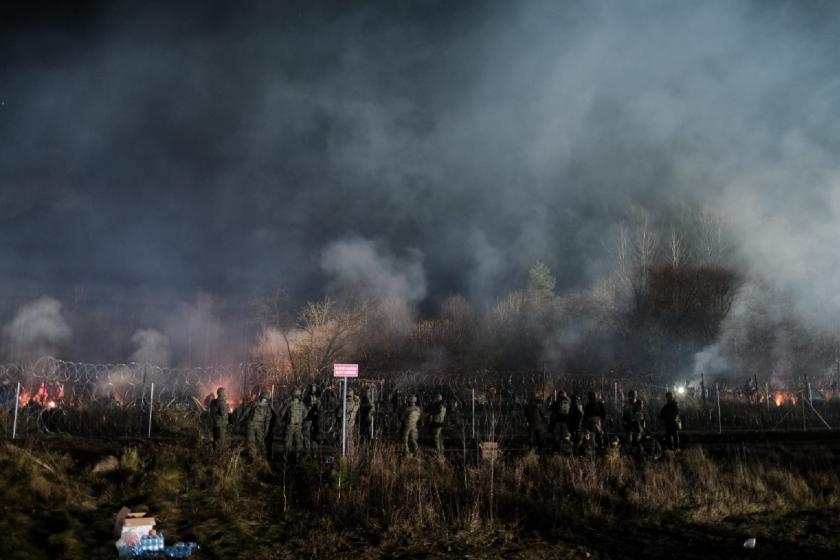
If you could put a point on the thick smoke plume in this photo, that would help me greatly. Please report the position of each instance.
(38, 329)
(468, 142)
(152, 348)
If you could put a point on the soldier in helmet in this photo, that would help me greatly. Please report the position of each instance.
(410, 417)
(670, 418)
(219, 419)
(437, 415)
(258, 424)
(352, 412)
(535, 415)
(594, 416)
(312, 420)
(293, 417)
(366, 411)
(558, 423)
(634, 418)
(575, 418)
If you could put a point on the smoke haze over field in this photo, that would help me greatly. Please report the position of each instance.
(424, 149)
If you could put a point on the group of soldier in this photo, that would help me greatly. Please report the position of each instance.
(567, 426)
(299, 417)
(570, 427)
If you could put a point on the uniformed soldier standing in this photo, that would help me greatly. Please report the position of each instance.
(293, 417)
(352, 412)
(670, 418)
(366, 411)
(219, 419)
(535, 415)
(258, 425)
(437, 415)
(558, 423)
(410, 417)
(634, 418)
(594, 416)
(312, 420)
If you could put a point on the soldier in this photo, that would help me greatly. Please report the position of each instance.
(294, 415)
(575, 418)
(559, 419)
(352, 412)
(587, 447)
(565, 446)
(437, 415)
(366, 412)
(258, 424)
(634, 418)
(410, 417)
(670, 418)
(594, 416)
(219, 419)
(613, 453)
(535, 416)
(312, 420)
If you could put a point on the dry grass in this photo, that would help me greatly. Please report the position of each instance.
(384, 503)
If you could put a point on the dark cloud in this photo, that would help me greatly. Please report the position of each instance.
(220, 148)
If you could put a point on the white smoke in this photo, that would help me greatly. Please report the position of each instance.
(38, 329)
(152, 347)
(358, 265)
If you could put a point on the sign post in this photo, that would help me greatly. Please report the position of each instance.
(344, 371)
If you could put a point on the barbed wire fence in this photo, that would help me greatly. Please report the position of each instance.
(52, 396)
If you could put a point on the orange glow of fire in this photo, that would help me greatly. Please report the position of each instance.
(780, 398)
(42, 395)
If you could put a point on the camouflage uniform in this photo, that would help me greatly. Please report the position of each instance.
(366, 412)
(294, 415)
(558, 423)
(634, 418)
(594, 415)
(410, 417)
(219, 419)
(565, 446)
(352, 412)
(536, 422)
(258, 425)
(312, 420)
(437, 415)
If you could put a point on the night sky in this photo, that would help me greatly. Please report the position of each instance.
(155, 151)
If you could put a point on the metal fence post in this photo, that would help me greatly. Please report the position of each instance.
(473, 412)
(344, 419)
(17, 404)
(717, 397)
(151, 408)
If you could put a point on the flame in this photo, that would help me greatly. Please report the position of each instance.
(51, 404)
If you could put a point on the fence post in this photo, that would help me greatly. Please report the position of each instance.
(717, 396)
(151, 408)
(344, 419)
(473, 412)
(17, 404)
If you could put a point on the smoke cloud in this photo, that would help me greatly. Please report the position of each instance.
(467, 141)
(38, 329)
(152, 348)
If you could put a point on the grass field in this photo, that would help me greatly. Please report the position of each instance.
(695, 504)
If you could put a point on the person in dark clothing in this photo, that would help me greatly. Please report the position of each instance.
(535, 415)
(558, 423)
(575, 418)
(594, 416)
(670, 418)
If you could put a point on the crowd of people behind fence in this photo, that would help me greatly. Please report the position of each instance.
(308, 419)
